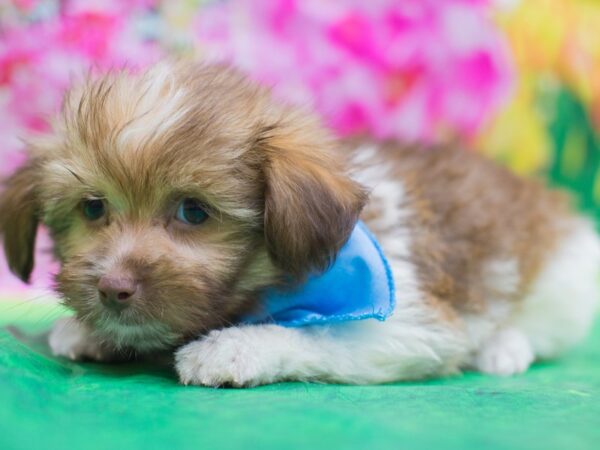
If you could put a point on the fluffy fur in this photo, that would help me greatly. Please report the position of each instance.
(492, 271)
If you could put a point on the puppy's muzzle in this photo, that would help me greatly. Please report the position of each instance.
(117, 292)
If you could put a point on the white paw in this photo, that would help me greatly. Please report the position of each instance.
(70, 339)
(232, 356)
(506, 353)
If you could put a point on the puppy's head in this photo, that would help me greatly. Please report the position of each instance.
(173, 197)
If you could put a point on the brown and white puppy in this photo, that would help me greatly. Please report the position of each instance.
(176, 195)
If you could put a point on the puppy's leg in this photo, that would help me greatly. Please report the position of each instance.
(557, 312)
(73, 340)
(560, 308)
(354, 353)
(507, 352)
(418, 341)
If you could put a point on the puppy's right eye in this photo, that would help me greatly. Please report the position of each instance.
(191, 212)
(93, 209)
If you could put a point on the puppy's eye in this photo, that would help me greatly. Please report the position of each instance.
(93, 209)
(191, 212)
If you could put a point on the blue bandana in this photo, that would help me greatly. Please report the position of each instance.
(359, 285)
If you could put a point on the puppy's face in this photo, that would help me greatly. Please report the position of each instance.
(173, 198)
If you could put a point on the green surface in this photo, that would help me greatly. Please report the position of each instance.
(47, 403)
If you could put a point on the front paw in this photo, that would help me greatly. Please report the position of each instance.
(231, 356)
(71, 339)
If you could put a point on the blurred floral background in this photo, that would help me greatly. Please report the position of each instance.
(517, 80)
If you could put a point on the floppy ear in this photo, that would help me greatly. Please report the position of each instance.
(19, 219)
(311, 205)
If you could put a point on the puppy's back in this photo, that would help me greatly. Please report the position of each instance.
(472, 221)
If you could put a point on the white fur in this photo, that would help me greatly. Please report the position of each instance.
(360, 352)
(508, 352)
(159, 107)
(561, 305)
(481, 326)
(556, 314)
(70, 339)
(501, 279)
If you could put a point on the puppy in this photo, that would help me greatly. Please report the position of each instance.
(177, 197)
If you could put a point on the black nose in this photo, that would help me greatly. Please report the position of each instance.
(117, 293)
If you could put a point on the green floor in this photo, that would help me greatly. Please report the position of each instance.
(46, 403)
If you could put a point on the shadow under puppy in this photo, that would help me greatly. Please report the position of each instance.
(177, 197)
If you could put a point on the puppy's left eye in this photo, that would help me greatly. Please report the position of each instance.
(93, 209)
(190, 211)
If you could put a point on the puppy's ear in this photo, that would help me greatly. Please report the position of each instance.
(311, 205)
(19, 219)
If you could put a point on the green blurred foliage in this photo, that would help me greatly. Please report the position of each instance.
(575, 162)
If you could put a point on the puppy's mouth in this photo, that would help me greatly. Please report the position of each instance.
(129, 330)
(129, 333)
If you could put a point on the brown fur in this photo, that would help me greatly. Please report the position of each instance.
(469, 211)
(19, 215)
(279, 202)
(308, 195)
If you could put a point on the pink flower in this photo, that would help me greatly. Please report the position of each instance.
(89, 33)
(39, 59)
(25, 5)
(400, 69)
(411, 69)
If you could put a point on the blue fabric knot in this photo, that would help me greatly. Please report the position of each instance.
(359, 285)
